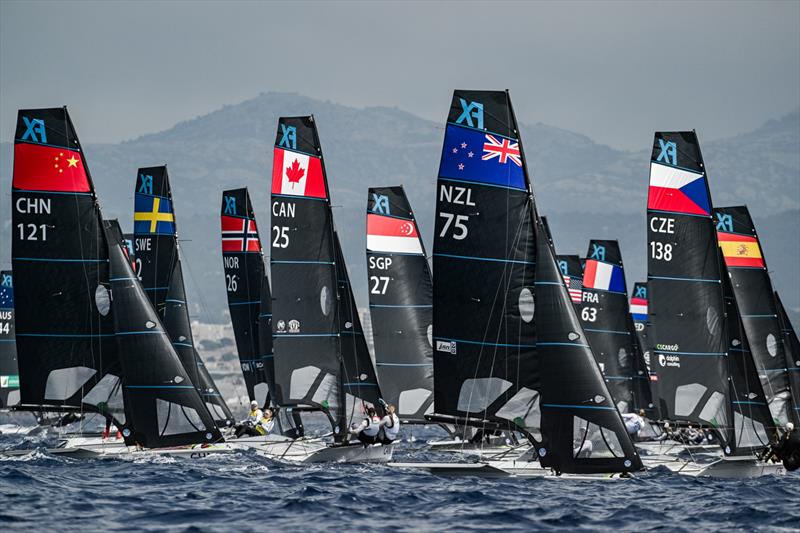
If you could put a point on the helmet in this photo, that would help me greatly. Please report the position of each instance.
(254, 405)
(789, 426)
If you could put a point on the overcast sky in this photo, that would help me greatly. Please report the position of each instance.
(613, 71)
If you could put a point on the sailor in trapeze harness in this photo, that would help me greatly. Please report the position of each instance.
(389, 426)
(786, 449)
(248, 425)
(367, 430)
(266, 423)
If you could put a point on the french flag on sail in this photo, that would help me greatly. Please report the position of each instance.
(603, 276)
(392, 235)
(638, 309)
(677, 190)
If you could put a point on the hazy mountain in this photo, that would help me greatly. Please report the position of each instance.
(588, 190)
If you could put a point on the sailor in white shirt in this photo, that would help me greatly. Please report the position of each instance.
(367, 430)
(390, 426)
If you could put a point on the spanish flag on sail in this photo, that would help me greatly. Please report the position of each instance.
(740, 250)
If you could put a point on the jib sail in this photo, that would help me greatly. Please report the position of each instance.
(572, 271)
(159, 270)
(687, 324)
(249, 298)
(754, 295)
(791, 345)
(315, 352)
(400, 303)
(9, 372)
(162, 406)
(64, 329)
(638, 311)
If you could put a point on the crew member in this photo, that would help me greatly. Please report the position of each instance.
(248, 425)
(266, 423)
(633, 422)
(389, 426)
(367, 430)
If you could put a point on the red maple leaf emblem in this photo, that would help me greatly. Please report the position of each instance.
(294, 173)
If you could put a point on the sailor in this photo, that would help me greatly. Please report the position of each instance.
(266, 423)
(787, 449)
(367, 430)
(633, 422)
(248, 425)
(582, 448)
(389, 426)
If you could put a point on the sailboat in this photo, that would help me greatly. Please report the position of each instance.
(510, 353)
(9, 374)
(705, 376)
(791, 346)
(158, 267)
(321, 359)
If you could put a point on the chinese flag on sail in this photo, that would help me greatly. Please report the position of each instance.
(46, 168)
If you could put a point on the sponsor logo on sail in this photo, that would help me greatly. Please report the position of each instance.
(294, 326)
(446, 346)
(281, 326)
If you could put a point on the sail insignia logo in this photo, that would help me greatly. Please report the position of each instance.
(288, 137)
(669, 153)
(598, 252)
(446, 346)
(641, 292)
(34, 130)
(380, 204)
(146, 186)
(724, 222)
(469, 111)
(562, 266)
(294, 326)
(230, 205)
(7, 280)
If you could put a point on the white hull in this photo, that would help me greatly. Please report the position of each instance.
(481, 449)
(721, 467)
(314, 450)
(504, 469)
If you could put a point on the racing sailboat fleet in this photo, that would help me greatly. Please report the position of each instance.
(537, 363)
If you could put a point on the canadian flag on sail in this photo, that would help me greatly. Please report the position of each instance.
(297, 174)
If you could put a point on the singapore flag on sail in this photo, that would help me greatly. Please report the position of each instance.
(297, 174)
(392, 235)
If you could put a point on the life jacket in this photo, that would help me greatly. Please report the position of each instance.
(254, 416)
(265, 426)
(392, 430)
(374, 426)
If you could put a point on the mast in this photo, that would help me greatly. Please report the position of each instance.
(400, 303)
(249, 298)
(64, 328)
(752, 288)
(791, 346)
(159, 270)
(9, 372)
(161, 405)
(687, 328)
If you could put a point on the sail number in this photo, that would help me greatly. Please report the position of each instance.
(137, 268)
(589, 314)
(5, 327)
(32, 232)
(281, 239)
(379, 284)
(460, 230)
(232, 281)
(660, 251)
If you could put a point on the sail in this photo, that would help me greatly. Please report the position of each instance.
(248, 290)
(572, 272)
(400, 303)
(9, 373)
(64, 329)
(162, 406)
(159, 270)
(638, 312)
(754, 295)
(791, 346)
(686, 309)
(484, 256)
(604, 313)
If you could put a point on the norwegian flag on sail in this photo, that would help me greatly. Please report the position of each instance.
(239, 235)
(575, 288)
(393, 235)
(297, 174)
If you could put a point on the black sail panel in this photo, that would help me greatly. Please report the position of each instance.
(400, 303)
(752, 288)
(604, 314)
(638, 311)
(305, 321)
(484, 260)
(162, 406)
(9, 371)
(159, 270)
(571, 269)
(686, 309)
(791, 346)
(64, 329)
(248, 292)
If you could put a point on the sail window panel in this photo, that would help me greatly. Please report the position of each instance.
(715, 411)
(749, 432)
(176, 419)
(102, 300)
(779, 406)
(302, 381)
(106, 395)
(687, 397)
(261, 390)
(327, 393)
(13, 397)
(410, 401)
(216, 411)
(524, 410)
(63, 383)
(590, 440)
(477, 395)
(355, 406)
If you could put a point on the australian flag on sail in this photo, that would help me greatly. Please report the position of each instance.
(6, 291)
(603, 276)
(153, 214)
(472, 155)
(239, 235)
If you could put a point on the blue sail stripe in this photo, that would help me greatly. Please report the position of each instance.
(297, 335)
(608, 331)
(483, 183)
(714, 354)
(53, 260)
(400, 306)
(480, 343)
(359, 384)
(156, 288)
(568, 406)
(684, 279)
(144, 332)
(481, 130)
(246, 303)
(759, 316)
(302, 262)
(578, 344)
(66, 335)
(186, 344)
(159, 386)
(293, 197)
(175, 301)
(750, 402)
(404, 364)
(474, 258)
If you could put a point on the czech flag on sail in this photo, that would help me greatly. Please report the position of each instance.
(239, 235)
(393, 235)
(297, 174)
(740, 250)
(638, 309)
(472, 155)
(603, 276)
(153, 214)
(677, 190)
(45, 168)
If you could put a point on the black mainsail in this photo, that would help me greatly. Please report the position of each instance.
(400, 303)
(509, 350)
(249, 298)
(319, 347)
(9, 371)
(66, 348)
(752, 288)
(159, 270)
(647, 390)
(791, 346)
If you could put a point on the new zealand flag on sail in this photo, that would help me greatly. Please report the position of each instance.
(472, 155)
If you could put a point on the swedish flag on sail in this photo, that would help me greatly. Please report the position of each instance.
(153, 214)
